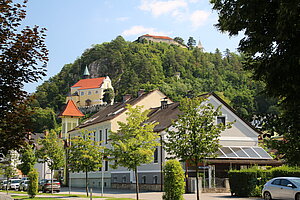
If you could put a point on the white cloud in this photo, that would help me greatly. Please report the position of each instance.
(199, 17)
(158, 8)
(194, 1)
(139, 30)
(122, 19)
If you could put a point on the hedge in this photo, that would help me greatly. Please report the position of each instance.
(249, 182)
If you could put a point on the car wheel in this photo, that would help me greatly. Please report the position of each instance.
(267, 196)
(297, 197)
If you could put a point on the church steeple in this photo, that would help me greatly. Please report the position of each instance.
(200, 46)
(86, 73)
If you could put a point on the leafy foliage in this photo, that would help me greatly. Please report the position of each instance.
(195, 136)
(33, 183)
(43, 119)
(174, 185)
(28, 159)
(134, 144)
(272, 52)
(108, 95)
(23, 59)
(85, 154)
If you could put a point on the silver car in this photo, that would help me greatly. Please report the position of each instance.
(24, 185)
(282, 188)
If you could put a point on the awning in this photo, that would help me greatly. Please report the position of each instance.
(243, 153)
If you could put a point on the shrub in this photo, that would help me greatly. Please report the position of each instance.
(33, 183)
(242, 182)
(285, 171)
(174, 186)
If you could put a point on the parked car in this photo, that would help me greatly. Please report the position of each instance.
(45, 185)
(282, 188)
(13, 184)
(24, 185)
(3, 184)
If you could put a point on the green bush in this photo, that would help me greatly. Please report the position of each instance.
(174, 181)
(33, 183)
(242, 182)
(249, 182)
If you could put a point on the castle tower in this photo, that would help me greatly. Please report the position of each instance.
(70, 118)
(200, 46)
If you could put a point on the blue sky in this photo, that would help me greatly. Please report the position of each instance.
(75, 25)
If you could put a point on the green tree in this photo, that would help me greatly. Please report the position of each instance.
(135, 142)
(195, 135)
(28, 159)
(33, 183)
(271, 45)
(179, 40)
(108, 95)
(174, 185)
(23, 57)
(85, 154)
(43, 119)
(52, 152)
(191, 42)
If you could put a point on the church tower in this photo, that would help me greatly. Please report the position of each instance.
(70, 118)
(86, 73)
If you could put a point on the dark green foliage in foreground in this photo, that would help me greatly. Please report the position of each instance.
(33, 183)
(249, 182)
(133, 66)
(174, 185)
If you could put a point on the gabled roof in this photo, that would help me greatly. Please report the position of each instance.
(89, 83)
(112, 111)
(158, 37)
(71, 110)
(167, 115)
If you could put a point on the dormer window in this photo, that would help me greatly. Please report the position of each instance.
(221, 119)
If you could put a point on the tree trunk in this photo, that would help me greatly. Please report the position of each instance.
(136, 183)
(86, 183)
(51, 181)
(197, 181)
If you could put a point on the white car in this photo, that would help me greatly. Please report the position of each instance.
(24, 185)
(282, 188)
(13, 184)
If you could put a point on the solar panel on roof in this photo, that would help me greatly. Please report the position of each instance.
(243, 153)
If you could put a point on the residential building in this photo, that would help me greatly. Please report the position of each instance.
(239, 144)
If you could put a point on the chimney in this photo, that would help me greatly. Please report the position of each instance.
(141, 92)
(126, 97)
(164, 103)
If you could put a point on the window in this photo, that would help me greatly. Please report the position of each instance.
(285, 182)
(106, 136)
(144, 180)
(276, 182)
(155, 180)
(106, 166)
(96, 92)
(124, 179)
(156, 155)
(221, 120)
(115, 179)
(100, 135)
(94, 135)
(89, 92)
(81, 93)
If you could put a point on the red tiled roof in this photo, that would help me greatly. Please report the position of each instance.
(89, 83)
(71, 110)
(158, 37)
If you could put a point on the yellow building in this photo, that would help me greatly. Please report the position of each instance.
(90, 91)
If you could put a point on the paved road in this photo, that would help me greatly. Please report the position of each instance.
(154, 195)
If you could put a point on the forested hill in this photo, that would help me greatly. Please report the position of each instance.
(133, 66)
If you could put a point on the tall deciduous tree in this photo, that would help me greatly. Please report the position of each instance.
(271, 44)
(23, 58)
(85, 154)
(28, 159)
(191, 42)
(52, 152)
(135, 142)
(195, 136)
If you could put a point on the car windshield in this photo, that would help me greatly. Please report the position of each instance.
(15, 181)
(4, 182)
(296, 181)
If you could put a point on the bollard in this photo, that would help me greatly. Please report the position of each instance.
(91, 194)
